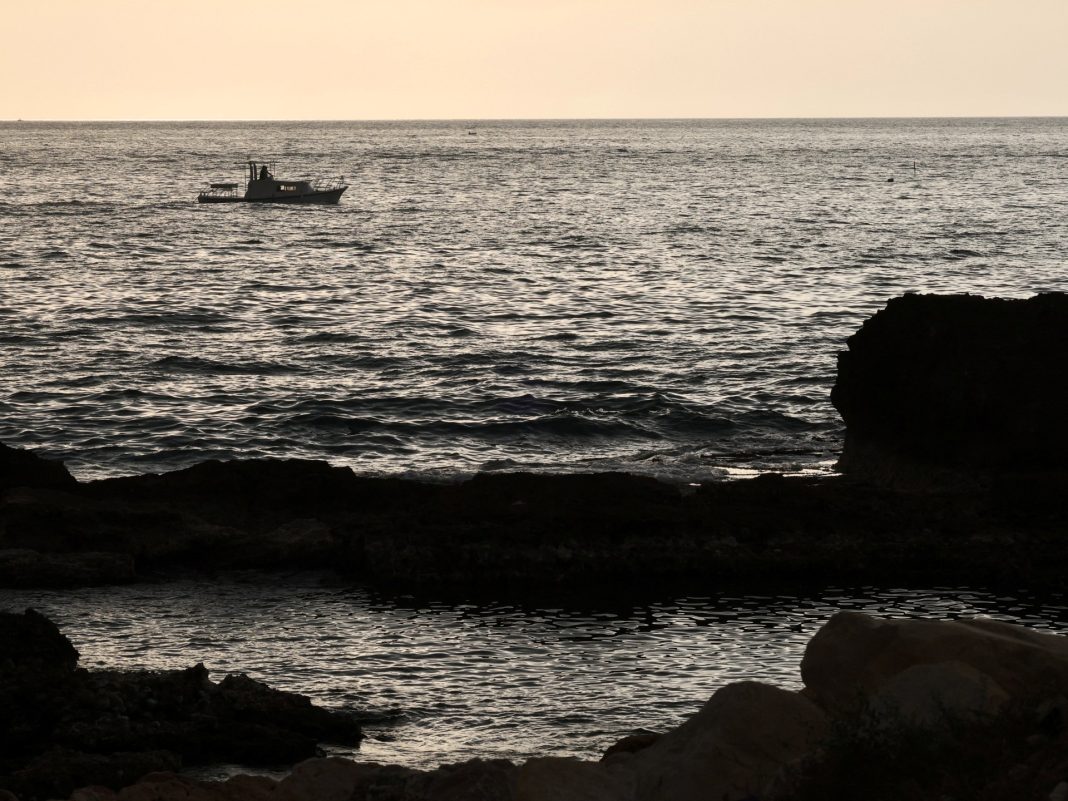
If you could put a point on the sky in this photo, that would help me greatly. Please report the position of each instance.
(499, 59)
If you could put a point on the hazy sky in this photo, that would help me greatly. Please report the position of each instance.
(403, 59)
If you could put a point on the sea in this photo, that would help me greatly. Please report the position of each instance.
(663, 297)
(660, 297)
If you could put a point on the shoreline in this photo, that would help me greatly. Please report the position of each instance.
(889, 708)
(544, 534)
(954, 474)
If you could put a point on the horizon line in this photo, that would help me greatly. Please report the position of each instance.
(545, 119)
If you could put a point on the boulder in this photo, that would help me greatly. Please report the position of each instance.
(168, 786)
(854, 656)
(958, 383)
(630, 744)
(566, 779)
(252, 701)
(928, 695)
(486, 779)
(733, 748)
(330, 779)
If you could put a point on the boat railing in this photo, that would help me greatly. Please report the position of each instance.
(220, 190)
(328, 184)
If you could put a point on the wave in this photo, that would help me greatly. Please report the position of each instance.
(199, 365)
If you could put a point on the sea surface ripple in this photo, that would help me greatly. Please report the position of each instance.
(442, 682)
(663, 297)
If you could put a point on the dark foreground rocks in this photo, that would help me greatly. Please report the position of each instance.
(956, 383)
(892, 710)
(62, 727)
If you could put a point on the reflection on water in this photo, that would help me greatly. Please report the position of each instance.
(657, 296)
(450, 681)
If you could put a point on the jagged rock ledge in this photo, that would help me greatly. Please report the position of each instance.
(62, 727)
(890, 709)
(549, 533)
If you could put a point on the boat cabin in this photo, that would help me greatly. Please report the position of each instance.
(262, 183)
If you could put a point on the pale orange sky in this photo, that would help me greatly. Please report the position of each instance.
(462, 59)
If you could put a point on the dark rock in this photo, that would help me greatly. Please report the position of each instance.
(63, 727)
(58, 772)
(630, 744)
(22, 567)
(20, 468)
(956, 382)
(237, 720)
(252, 701)
(490, 779)
(252, 493)
(33, 645)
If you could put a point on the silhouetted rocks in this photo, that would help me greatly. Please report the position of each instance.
(24, 567)
(891, 709)
(63, 727)
(957, 396)
(956, 382)
(21, 468)
(34, 645)
(526, 532)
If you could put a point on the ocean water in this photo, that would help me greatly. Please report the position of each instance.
(664, 297)
(446, 682)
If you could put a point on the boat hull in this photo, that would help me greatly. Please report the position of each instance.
(325, 197)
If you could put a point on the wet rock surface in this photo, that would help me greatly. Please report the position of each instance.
(63, 727)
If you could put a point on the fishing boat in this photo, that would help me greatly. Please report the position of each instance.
(261, 186)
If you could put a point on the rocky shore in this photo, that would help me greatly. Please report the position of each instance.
(63, 727)
(890, 709)
(952, 473)
(516, 532)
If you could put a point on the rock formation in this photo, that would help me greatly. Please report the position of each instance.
(891, 709)
(21, 468)
(523, 532)
(62, 727)
(956, 382)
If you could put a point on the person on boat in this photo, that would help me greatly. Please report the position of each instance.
(264, 174)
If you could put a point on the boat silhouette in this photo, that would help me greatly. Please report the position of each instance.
(261, 186)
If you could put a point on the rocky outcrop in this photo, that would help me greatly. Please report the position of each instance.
(25, 567)
(892, 709)
(34, 646)
(959, 396)
(927, 709)
(967, 665)
(520, 532)
(21, 468)
(62, 727)
(956, 382)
